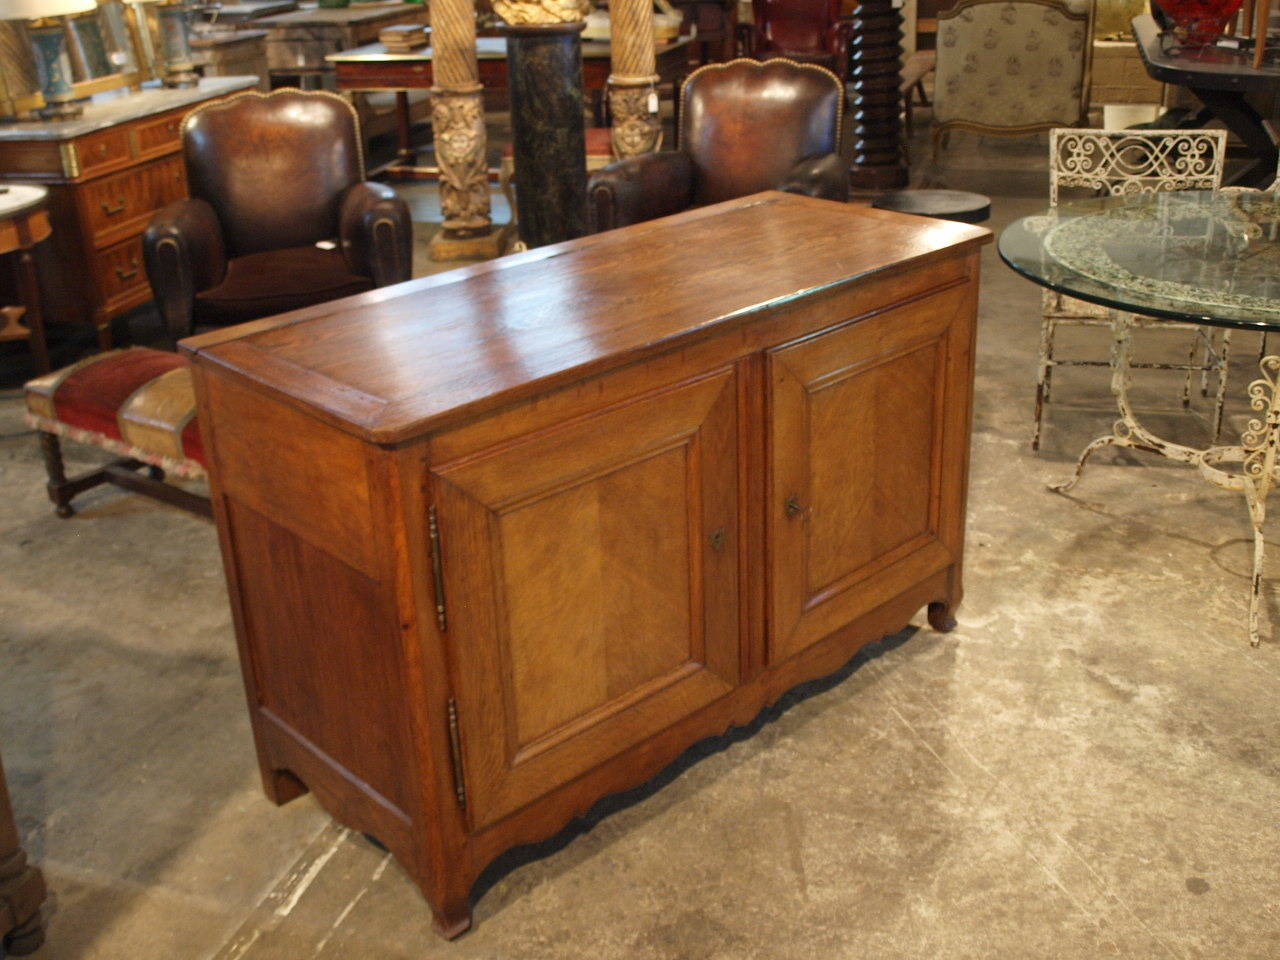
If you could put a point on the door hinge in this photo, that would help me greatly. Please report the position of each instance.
(437, 567)
(455, 754)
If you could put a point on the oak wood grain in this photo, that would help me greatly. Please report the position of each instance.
(464, 617)
(454, 346)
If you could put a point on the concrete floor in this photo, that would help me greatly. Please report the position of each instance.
(1088, 767)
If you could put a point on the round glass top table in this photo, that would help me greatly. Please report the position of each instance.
(1203, 257)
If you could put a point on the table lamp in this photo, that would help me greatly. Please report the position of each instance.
(175, 42)
(49, 38)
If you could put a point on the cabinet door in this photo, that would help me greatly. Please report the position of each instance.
(868, 446)
(591, 576)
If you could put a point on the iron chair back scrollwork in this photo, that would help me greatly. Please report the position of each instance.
(1115, 162)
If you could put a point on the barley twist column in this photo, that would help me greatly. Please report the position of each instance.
(633, 92)
(457, 120)
(875, 62)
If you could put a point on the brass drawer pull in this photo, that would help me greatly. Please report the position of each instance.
(110, 210)
(123, 275)
(793, 507)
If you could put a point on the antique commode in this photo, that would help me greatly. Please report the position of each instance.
(506, 540)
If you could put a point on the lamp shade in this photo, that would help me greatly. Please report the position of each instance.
(35, 9)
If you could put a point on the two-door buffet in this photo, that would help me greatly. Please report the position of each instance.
(505, 540)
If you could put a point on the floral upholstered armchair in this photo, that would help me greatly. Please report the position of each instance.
(1012, 67)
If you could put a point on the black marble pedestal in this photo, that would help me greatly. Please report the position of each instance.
(544, 65)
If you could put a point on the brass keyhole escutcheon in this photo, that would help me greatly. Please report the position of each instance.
(717, 539)
(793, 506)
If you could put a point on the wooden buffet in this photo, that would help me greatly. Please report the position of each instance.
(505, 540)
(107, 173)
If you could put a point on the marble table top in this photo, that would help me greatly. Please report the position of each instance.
(120, 106)
(16, 198)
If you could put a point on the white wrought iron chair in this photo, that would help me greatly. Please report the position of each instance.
(1115, 162)
(1274, 190)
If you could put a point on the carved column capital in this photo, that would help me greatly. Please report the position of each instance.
(637, 127)
(457, 119)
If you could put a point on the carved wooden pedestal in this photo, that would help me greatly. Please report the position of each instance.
(22, 889)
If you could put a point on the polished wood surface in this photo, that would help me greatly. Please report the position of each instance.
(503, 541)
(103, 188)
(389, 365)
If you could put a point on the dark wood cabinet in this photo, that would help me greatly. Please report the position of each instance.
(107, 173)
(505, 540)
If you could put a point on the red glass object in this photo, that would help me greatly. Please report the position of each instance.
(1199, 22)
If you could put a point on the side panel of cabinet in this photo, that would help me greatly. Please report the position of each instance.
(867, 450)
(591, 578)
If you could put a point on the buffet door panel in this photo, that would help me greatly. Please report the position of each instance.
(592, 581)
(861, 468)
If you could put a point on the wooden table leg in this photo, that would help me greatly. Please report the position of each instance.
(1245, 122)
(406, 155)
(35, 312)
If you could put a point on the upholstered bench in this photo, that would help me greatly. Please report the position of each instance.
(138, 403)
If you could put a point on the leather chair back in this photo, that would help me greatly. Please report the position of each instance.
(795, 28)
(745, 123)
(273, 167)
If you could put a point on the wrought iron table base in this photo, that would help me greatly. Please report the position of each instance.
(1256, 453)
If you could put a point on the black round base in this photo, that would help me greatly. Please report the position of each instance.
(943, 204)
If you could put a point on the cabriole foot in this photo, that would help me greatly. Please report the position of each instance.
(25, 938)
(452, 923)
(942, 616)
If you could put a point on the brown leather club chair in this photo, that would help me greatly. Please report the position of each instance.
(279, 215)
(744, 126)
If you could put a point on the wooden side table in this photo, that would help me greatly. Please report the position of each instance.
(233, 54)
(24, 222)
(22, 889)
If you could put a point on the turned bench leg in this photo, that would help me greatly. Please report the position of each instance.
(59, 490)
(122, 473)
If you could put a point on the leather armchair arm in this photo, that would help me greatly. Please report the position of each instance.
(184, 253)
(375, 233)
(840, 37)
(825, 176)
(638, 189)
